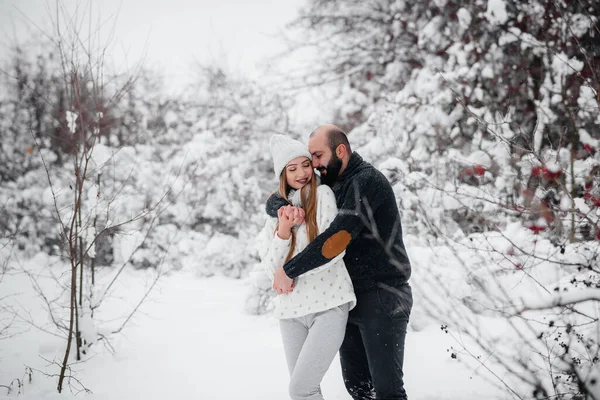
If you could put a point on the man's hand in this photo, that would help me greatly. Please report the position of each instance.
(281, 282)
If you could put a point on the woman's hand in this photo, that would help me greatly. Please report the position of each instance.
(297, 215)
(289, 216)
(286, 222)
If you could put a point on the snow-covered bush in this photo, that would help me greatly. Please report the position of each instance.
(480, 113)
(226, 166)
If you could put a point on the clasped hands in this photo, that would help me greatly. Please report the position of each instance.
(288, 216)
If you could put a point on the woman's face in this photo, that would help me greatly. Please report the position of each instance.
(298, 172)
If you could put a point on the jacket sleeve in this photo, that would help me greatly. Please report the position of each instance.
(358, 206)
(274, 203)
(273, 249)
(326, 213)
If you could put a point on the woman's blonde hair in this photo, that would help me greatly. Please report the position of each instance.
(308, 196)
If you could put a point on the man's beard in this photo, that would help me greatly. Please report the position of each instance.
(333, 171)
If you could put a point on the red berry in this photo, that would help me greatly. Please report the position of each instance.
(536, 228)
(550, 175)
(479, 170)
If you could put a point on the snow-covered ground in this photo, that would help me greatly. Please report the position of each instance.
(192, 340)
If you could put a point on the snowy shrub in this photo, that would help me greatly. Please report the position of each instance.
(260, 293)
(225, 166)
(480, 113)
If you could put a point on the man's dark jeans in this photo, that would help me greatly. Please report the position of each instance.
(372, 353)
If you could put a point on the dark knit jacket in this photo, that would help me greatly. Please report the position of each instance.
(367, 226)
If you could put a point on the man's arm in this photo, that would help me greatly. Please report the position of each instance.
(274, 203)
(346, 227)
(326, 212)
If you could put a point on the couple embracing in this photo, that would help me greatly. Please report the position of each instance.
(337, 260)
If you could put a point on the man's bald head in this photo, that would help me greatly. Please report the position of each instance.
(335, 136)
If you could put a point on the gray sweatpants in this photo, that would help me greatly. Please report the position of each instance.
(310, 344)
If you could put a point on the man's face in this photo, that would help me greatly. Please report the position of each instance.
(323, 159)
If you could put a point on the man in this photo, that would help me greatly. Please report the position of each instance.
(368, 227)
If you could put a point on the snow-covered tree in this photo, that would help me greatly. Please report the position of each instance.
(480, 113)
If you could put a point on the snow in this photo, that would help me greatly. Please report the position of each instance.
(464, 18)
(512, 35)
(128, 244)
(586, 138)
(487, 72)
(496, 12)
(566, 203)
(581, 23)
(101, 154)
(563, 65)
(431, 31)
(192, 339)
(480, 237)
(553, 166)
(71, 118)
(552, 300)
(481, 158)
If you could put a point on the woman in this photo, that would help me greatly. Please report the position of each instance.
(313, 315)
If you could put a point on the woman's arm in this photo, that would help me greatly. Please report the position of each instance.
(272, 249)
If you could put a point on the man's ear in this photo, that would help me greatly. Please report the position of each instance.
(341, 151)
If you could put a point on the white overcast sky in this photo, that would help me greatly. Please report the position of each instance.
(236, 34)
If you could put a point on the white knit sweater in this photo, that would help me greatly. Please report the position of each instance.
(320, 289)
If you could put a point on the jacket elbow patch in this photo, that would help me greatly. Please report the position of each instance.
(336, 244)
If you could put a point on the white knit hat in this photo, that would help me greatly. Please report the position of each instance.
(284, 150)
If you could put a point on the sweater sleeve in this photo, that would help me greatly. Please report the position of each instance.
(273, 250)
(358, 205)
(326, 212)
